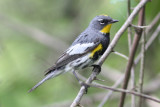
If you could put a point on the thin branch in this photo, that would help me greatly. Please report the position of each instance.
(147, 88)
(126, 91)
(108, 51)
(141, 75)
(155, 20)
(121, 55)
(129, 28)
(133, 84)
(129, 48)
(140, 27)
(149, 103)
(117, 83)
(153, 23)
(84, 79)
(129, 7)
(87, 100)
(149, 42)
(132, 55)
(155, 84)
(154, 35)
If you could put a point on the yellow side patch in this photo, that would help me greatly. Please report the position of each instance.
(106, 29)
(98, 48)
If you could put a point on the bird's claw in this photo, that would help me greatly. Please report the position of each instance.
(95, 66)
(85, 85)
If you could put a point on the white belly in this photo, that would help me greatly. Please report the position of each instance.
(79, 63)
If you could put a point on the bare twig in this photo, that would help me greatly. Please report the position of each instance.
(147, 88)
(155, 20)
(149, 42)
(129, 7)
(126, 91)
(141, 74)
(109, 50)
(140, 27)
(153, 23)
(129, 48)
(87, 100)
(129, 28)
(117, 83)
(133, 84)
(155, 84)
(149, 103)
(132, 54)
(84, 79)
(121, 55)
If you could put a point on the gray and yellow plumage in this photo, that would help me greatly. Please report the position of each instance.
(85, 50)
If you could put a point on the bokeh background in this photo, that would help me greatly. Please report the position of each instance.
(33, 34)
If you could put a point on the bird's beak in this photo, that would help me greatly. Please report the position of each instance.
(114, 21)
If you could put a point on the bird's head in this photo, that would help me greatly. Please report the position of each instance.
(102, 23)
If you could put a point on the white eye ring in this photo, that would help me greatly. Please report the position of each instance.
(101, 21)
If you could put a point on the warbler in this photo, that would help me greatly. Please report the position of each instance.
(85, 50)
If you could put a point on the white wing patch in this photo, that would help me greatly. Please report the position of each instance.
(79, 48)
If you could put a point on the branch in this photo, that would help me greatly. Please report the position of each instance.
(126, 91)
(149, 42)
(84, 79)
(133, 85)
(117, 83)
(90, 99)
(141, 74)
(153, 23)
(155, 84)
(140, 27)
(129, 28)
(132, 54)
(129, 48)
(149, 103)
(148, 28)
(121, 55)
(108, 51)
(146, 89)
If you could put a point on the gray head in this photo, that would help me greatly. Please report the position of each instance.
(102, 23)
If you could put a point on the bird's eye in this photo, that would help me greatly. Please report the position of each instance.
(101, 21)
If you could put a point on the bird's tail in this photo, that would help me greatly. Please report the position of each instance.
(48, 76)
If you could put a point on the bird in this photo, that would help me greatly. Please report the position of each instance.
(84, 51)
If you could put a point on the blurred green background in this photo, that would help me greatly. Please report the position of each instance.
(25, 52)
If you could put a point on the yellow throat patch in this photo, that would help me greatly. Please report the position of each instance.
(98, 48)
(106, 29)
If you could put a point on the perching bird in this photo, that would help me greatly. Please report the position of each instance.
(85, 50)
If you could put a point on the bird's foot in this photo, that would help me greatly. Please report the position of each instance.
(85, 85)
(96, 67)
(74, 73)
(81, 82)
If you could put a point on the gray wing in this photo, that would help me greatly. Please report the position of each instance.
(74, 52)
